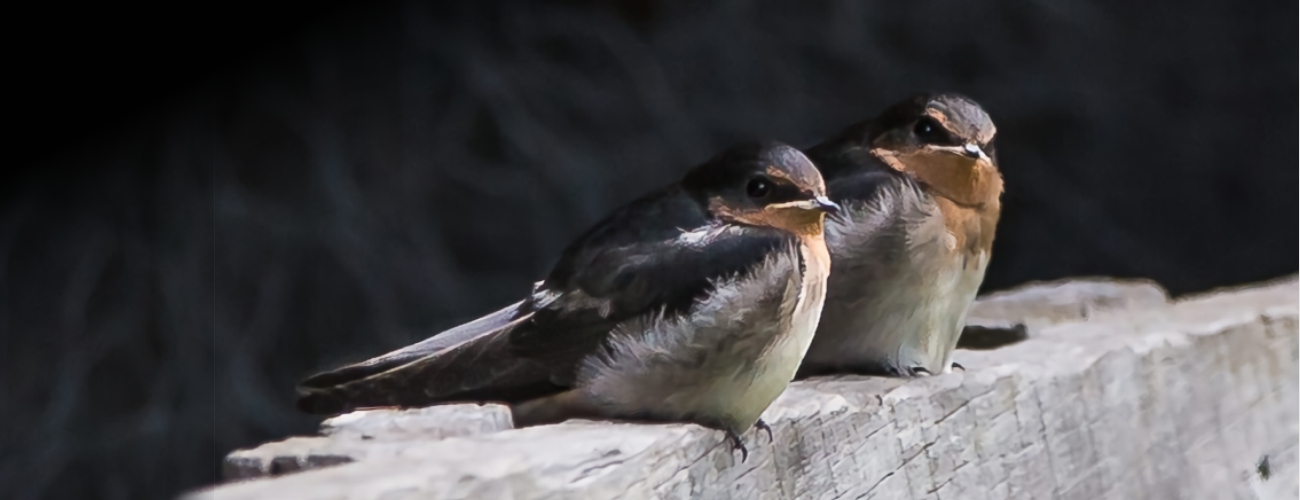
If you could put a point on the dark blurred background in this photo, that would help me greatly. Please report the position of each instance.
(207, 205)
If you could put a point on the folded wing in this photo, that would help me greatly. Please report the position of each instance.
(657, 255)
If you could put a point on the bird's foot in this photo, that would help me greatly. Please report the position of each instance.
(737, 444)
(762, 426)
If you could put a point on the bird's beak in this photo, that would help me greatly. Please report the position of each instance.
(826, 205)
(818, 204)
(968, 150)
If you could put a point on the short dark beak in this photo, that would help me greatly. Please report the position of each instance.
(827, 206)
(972, 151)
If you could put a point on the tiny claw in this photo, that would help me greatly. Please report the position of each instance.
(762, 426)
(736, 444)
(915, 371)
(958, 366)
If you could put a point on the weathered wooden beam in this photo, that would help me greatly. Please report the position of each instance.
(1149, 400)
(366, 434)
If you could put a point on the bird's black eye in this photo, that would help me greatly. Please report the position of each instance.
(758, 188)
(926, 129)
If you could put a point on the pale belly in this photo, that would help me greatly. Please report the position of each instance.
(741, 399)
(744, 398)
(722, 370)
(938, 321)
(894, 316)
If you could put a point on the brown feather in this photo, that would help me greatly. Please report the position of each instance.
(966, 190)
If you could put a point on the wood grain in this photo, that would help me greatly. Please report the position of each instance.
(1170, 401)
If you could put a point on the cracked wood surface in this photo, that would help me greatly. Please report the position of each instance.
(1126, 397)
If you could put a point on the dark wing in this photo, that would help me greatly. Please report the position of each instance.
(659, 254)
(632, 263)
(863, 186)
(480, 368)
(430, 346)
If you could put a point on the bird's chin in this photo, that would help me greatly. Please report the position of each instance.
(972, 164)
(936, 166)
(953, 160)
(959, 177)
(798, 221)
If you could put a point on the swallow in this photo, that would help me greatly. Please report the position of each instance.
(695, 303)
(920, 188)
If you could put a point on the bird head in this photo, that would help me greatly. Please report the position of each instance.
(763, 184)
(945, 141)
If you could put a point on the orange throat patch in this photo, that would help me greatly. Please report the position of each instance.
(802, 223)
(967, 191)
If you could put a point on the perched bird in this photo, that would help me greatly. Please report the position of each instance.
(920, 189)
(695, 303)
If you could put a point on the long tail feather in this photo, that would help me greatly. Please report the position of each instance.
(481, 367)
(432, 345)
